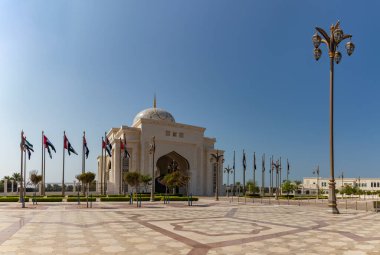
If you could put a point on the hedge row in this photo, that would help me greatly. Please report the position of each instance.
(114, 199)
(82, 199)
(181, 199)
(48, 199)
(12, 199)
(9, 199)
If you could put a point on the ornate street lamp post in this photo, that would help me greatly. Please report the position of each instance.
(228, 170)
(216, 157)
(316, 171)
(332, 42)
(277, 166)
(152, 150)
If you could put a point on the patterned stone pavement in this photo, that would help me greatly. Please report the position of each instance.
(205, 228)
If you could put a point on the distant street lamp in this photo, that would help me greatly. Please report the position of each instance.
(216, 157)
(316, 171)
(341, 176)
(228, 170)
(332, 42)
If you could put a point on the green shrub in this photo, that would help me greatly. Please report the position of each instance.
(115, 195)
(77, 196)
(114, 199)
(82, 199)
(54, 196)
(9, 199)
(98, 195)
(49, 199)
(181, 199)
(156, 198)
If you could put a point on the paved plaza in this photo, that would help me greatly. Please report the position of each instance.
(208, 227)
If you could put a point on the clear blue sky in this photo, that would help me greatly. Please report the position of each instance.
(242, 69)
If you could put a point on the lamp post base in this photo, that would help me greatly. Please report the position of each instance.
(334, 209)
(332, 197)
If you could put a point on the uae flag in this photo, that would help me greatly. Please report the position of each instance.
(28, 147)
(68, 147)
(86, 150)
(123, 147)
(288, 167)
(49, 146)
(244, 161)
(108, 147)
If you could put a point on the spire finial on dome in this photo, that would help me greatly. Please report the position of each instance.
(155, 101)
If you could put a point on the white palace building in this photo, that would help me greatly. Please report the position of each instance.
(177, 145)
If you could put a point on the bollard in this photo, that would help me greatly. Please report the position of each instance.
(131, 198)
(191, 199)
(366, 208)
(346, 204)
(78, 198)
(356, 205)
(91, 201)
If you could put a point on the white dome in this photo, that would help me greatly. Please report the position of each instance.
(154, 113)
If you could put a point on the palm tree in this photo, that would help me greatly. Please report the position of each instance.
(17, 178)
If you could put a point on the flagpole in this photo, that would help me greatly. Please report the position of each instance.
(270, 176)
(233, 193)
(83, 159)
(44, 170)
(24, 172)
(254, 172)
(243, 173)
(280, 179)
(263, 175)
(63, 165)
(21, 186)
(104, 173)
(101, 169)
(121, 160)
(42, 165)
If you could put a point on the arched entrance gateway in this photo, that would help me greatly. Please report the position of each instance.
(167, 164)
(179, 146)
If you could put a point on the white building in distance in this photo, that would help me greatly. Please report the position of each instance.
(178, 146)
(366, 184)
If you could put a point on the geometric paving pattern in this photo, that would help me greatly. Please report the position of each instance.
(205, 228)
